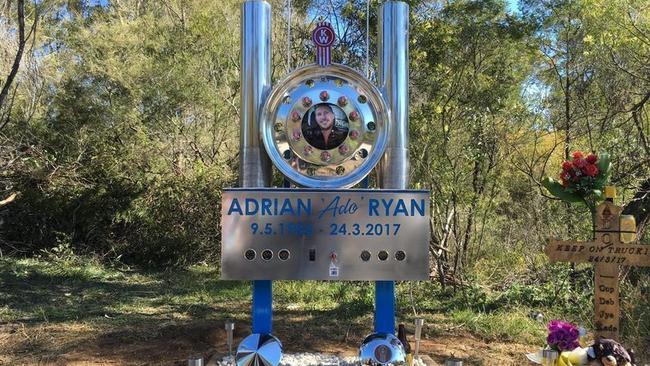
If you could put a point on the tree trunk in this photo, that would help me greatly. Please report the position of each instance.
(19, 53)
(477, 185)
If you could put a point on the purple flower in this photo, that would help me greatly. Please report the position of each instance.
(563, 336)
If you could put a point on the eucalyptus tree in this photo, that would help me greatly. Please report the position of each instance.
(594, 78)
(469, 59)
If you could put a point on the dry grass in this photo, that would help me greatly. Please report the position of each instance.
(78, 312)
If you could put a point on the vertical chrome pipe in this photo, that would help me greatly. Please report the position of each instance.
(255, 77)
(393, 169)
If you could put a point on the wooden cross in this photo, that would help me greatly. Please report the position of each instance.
(607, 253)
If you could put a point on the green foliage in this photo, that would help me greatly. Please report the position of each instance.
(84, 290)
(506, 326)
(123, 130)
(134, 137)
(557, 190)
(635, 302)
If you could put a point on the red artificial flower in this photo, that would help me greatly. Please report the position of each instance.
(567, 165)
(575, 175)
(592, 158)
(591, 170)
(579, 163)
(578, 155)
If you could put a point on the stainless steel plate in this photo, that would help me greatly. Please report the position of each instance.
(315, 234)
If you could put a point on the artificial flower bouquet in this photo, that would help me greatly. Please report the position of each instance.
(564, 337)
(582, 179)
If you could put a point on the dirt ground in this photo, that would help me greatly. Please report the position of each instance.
(171, 344)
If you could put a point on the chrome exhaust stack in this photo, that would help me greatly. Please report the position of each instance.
(393, 76)
(255, 77)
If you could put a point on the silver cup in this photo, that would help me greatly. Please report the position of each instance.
(549, 357)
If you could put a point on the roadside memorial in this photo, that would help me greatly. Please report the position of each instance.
(613, 244)
(607, 253)
(614, 236)
(325, 128)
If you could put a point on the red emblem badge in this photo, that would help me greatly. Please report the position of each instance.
(323, 38)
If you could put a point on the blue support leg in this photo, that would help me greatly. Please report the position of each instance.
(262, 306)
(385, 307)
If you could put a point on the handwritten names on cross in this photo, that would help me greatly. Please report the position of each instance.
(607, 252)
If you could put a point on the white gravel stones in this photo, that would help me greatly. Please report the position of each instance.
(311, 359)
(305, 359)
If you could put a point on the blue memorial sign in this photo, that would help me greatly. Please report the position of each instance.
(325, 234)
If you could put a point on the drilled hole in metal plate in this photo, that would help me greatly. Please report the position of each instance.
(267, 255)
(400, 255)
(371, 126)
(383, 255)
(287, 154)
(287, 100)
(250, 254)
(310, 83)
(362, 99)
(365, 255)
(363, 153)
(284, 254)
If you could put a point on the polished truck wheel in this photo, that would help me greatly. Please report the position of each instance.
(335, 151)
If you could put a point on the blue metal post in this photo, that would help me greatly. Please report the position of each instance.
(263, 299)
(385, 307)
(384, 298)
(262, 306)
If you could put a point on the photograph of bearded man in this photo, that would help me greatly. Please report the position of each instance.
(322, 129)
